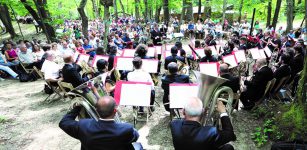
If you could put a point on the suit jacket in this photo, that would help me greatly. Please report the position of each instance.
(111, 62)
(71, 74)
(191, 135)
(233, 82)
(155, 33)
(297, 64)
(99, 135)
(256, 86)
(282, 71)
(172, 58)
(208, 59)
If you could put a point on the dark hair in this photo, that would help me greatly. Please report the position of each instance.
(101, 65)
(108, 109)
(174, 50)
(285, 58)
(197, 44)
(178, 45)
(113, 50)
(172, 68)
(141, 50)
(137, 62)
(208, 52)
(299, 49)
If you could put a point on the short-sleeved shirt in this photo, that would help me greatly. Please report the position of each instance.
(51, 70)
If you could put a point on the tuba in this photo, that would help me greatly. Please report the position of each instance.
(209, 91)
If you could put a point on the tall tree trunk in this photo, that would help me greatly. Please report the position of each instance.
(13, 11)
(84, 18)
(299, 2)
(6, 20)
(199, 8)
(166, 12)
(158, 11)
(289, 15)
(240, 11)
(183, 10)
(122, 7)
(224, 12)
(275, 18)
(207, 9)
(115, 9)
(137, 11)
(189, 10)
(106, 21)
(146, 10)
(95, 9)
(268, 20)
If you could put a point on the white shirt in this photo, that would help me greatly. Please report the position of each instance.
(68, 51)
(50, 69)
(139, 75)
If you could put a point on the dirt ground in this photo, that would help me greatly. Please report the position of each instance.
(32, 123)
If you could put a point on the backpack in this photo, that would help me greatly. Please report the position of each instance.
(48, 89)
(25, 77)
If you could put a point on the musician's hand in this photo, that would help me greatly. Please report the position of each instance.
(220, 106)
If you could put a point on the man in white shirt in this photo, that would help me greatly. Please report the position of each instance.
(50, 69)
(26, 56)
(65, 49)
(139, 75)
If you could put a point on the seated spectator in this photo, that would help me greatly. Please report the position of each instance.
(89, 48)
(190, 134)
(10, 53)
(172, 77)
(102, 134)
(79, 47)
(9, 71)
(51, 69)
(71, 71)
(38, 53)
(173, 57)
(118, 42)
(65, 49)
(4, 62)
(208, 56)
(26, 56)
(139, 75)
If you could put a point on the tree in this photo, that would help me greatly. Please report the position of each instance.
(289, 15)
(115, 9)
(199, 7)
(183, 10)
(106, 20)
(84, 18)
(189, 14)
(6, 20)
(207, 9)
(224, 11)
(166, 11)
(268, 20)
(146, 10)
(137, 11)
(158, 11)
(95, 9)
(122, 6)
(276, 14)
(240, 10)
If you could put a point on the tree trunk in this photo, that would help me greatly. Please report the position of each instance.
(107, 23)
(122, 7)
(183, 10)
(275, 18)
(289, 15)
(115, 9)
(137, 12)
(166, 12)
(95, 9)
(199, 7)
(158, 11)
(240, 11)
(268, 20)
(146, 10)
(224, 11)
(6, 20)
(84, 18)
(13, 11)
(189, 14)
(299, 2)
(207, 9)
(305, 14)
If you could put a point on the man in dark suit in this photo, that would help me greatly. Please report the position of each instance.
(103, 134)
(190, 134)
(172, 77)
(282, 71)
(233, 81)
(156, 35)
(296, 65)
(208, 56)
(71, 71)
(173, 58)
(256, 86)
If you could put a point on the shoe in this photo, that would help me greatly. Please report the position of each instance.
(247, 107)
(152, 109)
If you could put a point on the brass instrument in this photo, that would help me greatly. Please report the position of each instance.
(117, 74)
(209, 92)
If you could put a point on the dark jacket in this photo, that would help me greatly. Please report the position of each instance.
(279, 73)
(208, 59)
(99, 135)
(71, 74)
(297, 64)
(172, 58)
(233, 82)
(191, 135)
(154, 34)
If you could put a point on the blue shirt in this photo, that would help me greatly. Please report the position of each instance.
(191, 26)
(87, 46)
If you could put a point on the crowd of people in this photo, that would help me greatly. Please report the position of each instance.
(57, 61)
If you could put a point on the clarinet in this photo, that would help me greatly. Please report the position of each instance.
(194, 52)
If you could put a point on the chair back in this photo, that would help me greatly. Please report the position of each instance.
(273, 81)
(65, 85)
(40, 73)
(281, 83)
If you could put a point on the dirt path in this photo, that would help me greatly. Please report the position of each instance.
(31, 123)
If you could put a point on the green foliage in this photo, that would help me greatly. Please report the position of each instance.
(3, 119)
(261, 134)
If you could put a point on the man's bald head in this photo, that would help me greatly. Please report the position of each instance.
(106, 106)
(193, 107)
(261, 62)
(223, 68)
(172, 67)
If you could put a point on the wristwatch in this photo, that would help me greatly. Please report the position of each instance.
(223, 114)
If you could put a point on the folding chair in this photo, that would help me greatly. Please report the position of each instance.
(279, 85)
(289, 84)
(24, 65)
(264, 96)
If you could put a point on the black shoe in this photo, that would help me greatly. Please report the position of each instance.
(249, 107)
(152, 109)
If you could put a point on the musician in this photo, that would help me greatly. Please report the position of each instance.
(172, 77)
(163, 29)
(296, 65)
(190, 134)
(156, 35)
(178, 44)
(102, 70)
(208, 56)
(275, 43)
(112, 54)
(139, 75)
(199, 29)
(141, 51)
(209, 41)
(283, 70)
(243, 44)
(256, 86)
(102, 134)
(71, 71)
(173, 57)
(233, 81)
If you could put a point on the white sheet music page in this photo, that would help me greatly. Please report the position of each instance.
(150, 65)
(83, 57)
(255, 53)
(268, 51)
(261, 52)
(240, 56)
(178, 94)
(214, 52)
(200, 52)
(135, 95)
(124, 64)
(209, 69)
(230, 59)
(129, 52)
(76, 56)
(151, 51)
(169, 47)
(159, 49)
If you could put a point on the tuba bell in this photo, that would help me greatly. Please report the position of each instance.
(209, 91)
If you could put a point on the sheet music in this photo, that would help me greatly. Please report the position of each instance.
(186, 48)
(150, 65)
(98, 57)
(159, 49)
(151, 51)
(200, 52)
(240, 56)
(128, 52)
(135, 94)
(255, 53)
(178, 94)
(169, 47)
(261, 52)
(76, 54)
(214, 52)
(209, 68)
(268, 51)
(83, 57)
(230, 59)
(124, 63)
